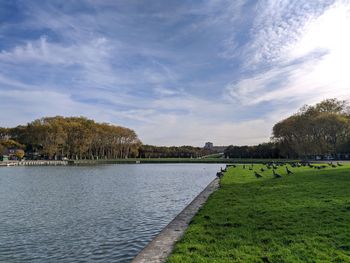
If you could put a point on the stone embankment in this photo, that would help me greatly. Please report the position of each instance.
(161, 246)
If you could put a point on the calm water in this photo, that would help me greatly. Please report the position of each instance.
(93, 213)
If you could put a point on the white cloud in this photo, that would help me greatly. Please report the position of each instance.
(42, 51)
(277, 26)
(312, 78)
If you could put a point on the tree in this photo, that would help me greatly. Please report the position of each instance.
(75, 137)
(2, 149)
(322, 129)
(19, 154)
(12, 144)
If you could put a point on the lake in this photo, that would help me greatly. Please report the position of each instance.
(104, 213)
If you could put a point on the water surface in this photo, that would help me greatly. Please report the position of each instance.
(104, 213)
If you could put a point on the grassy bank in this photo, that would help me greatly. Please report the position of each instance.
(304, 217)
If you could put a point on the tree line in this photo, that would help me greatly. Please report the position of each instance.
(318, 130)
(151, 151)
(81, 138)
(71, 137)
(264, 150)
(321, 130)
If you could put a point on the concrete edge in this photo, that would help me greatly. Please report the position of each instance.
(162, 245)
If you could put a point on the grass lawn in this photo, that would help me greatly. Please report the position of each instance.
(303, 217)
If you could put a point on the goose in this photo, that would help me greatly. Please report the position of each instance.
(219, 174)
(276, 175)
(257, 175)
(288, 171)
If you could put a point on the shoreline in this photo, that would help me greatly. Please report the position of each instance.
(137, 161)
(153, 161)
(162, 244)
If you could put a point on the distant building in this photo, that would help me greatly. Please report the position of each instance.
(210, 146)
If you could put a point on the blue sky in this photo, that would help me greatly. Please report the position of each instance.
(177, 72)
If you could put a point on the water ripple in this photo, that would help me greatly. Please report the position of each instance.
(91, 214)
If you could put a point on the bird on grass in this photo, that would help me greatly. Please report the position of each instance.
(257, 175)
(276, 175)
(339, 164)
(219, 174)
(243, 166)
(262, 170)
(288, 171)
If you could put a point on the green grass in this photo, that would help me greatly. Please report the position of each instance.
(214, 155)
(304, 217)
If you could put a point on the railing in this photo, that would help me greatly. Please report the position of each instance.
(33, 163)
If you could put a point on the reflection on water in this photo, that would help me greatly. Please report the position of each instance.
(94, 213)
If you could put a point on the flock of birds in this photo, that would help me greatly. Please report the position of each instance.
(274, 166)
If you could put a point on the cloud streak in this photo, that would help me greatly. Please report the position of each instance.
(309, 66)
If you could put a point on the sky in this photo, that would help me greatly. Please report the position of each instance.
(177, 72)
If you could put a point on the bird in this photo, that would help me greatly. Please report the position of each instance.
(288, 171)
(262, 169)
(276, 175)
(219, 174)
(339, 164)
(243, 166)
(257, 175)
